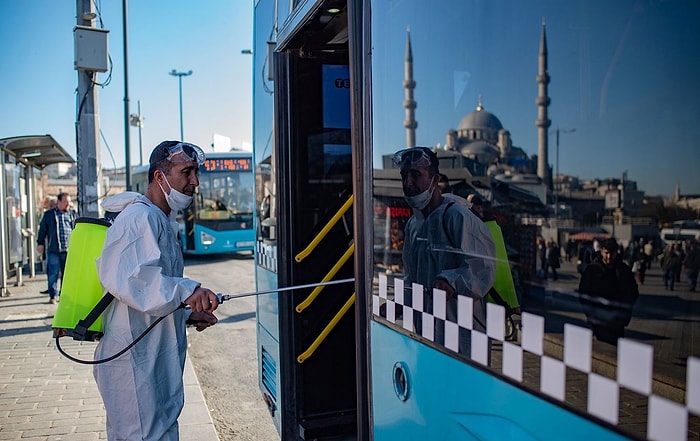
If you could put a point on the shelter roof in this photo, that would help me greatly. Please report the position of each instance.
(38, 151)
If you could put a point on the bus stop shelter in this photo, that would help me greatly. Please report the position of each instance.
(23, 158)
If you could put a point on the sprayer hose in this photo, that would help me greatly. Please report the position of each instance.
(118, 354)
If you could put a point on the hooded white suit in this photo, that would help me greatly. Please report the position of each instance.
(142, 266)
(455, 245)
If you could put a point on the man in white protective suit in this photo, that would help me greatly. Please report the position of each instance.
(446, 246)
(142, 266)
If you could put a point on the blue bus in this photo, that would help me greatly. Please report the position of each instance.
(340, 86)
(220, 219)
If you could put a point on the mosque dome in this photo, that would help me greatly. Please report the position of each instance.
(480, 119)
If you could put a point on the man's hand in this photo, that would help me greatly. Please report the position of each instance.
(202, 320)
(40, 249)
(443, 285)
(202, 299)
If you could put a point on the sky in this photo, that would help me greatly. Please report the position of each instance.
(625, 79)
(39, 82)
(624, 74)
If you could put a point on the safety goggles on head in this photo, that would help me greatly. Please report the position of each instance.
(414, 156)
(185, 152)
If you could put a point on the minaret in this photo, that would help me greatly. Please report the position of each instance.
(543, 122)
(409, 103)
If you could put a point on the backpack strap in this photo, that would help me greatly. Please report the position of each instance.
(81, 329)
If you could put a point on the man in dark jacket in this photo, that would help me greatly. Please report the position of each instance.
(54, 231)
(692, 265)
(607, 293)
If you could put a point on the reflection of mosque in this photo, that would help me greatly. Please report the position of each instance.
(479, 154)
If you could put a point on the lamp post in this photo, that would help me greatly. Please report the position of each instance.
(556, 173)
(179, 76)
(136, 120)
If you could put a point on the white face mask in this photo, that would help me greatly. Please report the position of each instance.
(421, 200)
(176, 200)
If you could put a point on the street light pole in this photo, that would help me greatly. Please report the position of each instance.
(136, 120)
(179, 76)
(556, 173)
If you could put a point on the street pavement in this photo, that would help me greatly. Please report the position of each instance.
(46, 397)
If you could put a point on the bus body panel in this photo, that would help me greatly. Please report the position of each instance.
(268, 342)
(227, 241)
(437, 385)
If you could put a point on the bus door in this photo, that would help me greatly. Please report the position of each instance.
(307, 342)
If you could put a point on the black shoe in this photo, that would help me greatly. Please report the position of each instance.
(44, 292)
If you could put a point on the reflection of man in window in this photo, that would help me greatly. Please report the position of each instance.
(446, 245)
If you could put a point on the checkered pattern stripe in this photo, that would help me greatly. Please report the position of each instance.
(667, 420)
(266, 256)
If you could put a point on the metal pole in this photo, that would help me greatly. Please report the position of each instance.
(556, 176)
(87, 129)
(140, 127)
(556, 187)
(182, 136)
(179, 76)
(127, 140)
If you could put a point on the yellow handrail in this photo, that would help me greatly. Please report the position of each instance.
(327, 330)
(309, 248)
(303, 305)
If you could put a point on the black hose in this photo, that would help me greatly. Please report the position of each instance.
(118, 354)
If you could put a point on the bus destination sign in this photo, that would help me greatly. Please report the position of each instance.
(227, 164)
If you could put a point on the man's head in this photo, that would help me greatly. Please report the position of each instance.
(444, 184)
(419, 176)
(477, 204)
(63, 202)
(174, 165)
(608, 251)
(168, 153)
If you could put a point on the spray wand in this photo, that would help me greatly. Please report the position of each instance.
(221, 297)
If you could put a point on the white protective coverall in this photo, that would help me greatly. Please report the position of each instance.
(142, 266)
(450, 244)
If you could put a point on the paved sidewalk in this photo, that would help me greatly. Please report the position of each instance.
(44, 396)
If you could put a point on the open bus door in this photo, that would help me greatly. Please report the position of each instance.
(306, 336)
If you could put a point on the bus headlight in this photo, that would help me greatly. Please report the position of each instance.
(206, 239)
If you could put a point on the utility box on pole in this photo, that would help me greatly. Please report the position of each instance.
(91, 49)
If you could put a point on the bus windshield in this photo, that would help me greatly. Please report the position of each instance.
(224, 193)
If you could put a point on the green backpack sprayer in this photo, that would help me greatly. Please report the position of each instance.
(82, 301)
(80, 288)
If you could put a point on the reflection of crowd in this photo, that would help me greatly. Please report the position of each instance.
(678, 257)
(608, 292)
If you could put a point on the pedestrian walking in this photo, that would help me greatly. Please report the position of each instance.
(553, 259)
(608, 292)
(692, 265)
(671, 264)
(54, 233)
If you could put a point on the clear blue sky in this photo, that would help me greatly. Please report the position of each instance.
(624, 73)
(39, 82)
(620, 124)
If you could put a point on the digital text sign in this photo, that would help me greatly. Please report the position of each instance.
(227, 164)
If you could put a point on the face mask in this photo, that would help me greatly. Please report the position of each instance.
(420, 201)
(176, 200)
